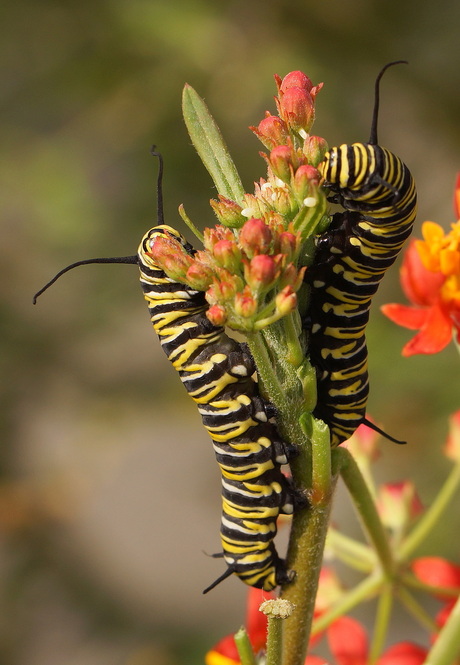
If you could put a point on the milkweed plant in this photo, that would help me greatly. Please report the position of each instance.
(252, 268)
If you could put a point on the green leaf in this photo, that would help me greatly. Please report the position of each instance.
(210, 145)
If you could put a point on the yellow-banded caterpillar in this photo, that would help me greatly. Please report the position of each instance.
(218, 373)
(378, 193)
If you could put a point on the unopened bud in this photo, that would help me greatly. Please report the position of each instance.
(228, 212)
(245, 303)
(314, 149)
(217, 315)
(280, 160)
(286, 301)
(272, 131)
(212, 235)
(296, 79)
(227, 255)
(261, 272)
(171, 257)
(287, 244)
(255, 237)
(398, 504)
(199, 276)
(297, 109)
(452, 447)
(305, 182)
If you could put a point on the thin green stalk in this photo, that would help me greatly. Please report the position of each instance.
(274, 641)
(446, 649)
(244, 648)
(382, 621)
(366, 508)
(360, 593)
(432, 516)
(410, 580)
(350, 551)
(416, 610)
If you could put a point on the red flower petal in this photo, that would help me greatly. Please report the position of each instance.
(404, 653)
(435, 335)
(315, 660)
(348, 641)
(437, 572)
(406, 316)
(256, 621)
(420, 285)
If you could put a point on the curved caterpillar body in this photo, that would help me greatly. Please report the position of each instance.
(217, 373)
(378, 193)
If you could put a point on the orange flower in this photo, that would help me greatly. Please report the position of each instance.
(430, 278)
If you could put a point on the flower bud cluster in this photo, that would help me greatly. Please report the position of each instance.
(249, 267)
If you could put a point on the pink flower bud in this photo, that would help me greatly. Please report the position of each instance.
(199, 276)
(297, 109)
(306, 180)
(171, 257)
(212, 235)
(280, 160)
(286, 301)
(296, 79)
(314, 149)
(217, 315)
(227, 255)
(272, 131)
(287, 244)
(292, 277)
(255, 237)
(245, 303)
(228, 212)
(261, 272)
(398, 504)
(452, 447)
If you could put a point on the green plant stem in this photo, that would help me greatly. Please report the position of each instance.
(432, 516)
(360, 593)
(382, 621)
(366, 508)
(244, 648)
(305, 555)
(274, 641)
(446, 649)
(350, 551)
(417, 611)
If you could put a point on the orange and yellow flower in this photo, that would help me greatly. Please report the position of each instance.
(430, 278)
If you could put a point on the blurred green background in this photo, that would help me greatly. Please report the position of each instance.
(109, 490)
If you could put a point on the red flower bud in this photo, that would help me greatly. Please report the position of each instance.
(286, 301)
(217, 315)
(280, 160)
(398, 504)
(404, 653)
(296, 79)
(314, 149)
(287, 244)
(255, 237)
(261, 272)
(227, 255)
(199, 276)
(245, 303)
(272, 131)
(212, 235)
(171, 257)
(306, 180)
(297, 109)
(228, 212)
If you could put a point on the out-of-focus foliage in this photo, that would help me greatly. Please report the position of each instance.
(108, 490)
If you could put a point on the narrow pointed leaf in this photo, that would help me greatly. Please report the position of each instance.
(210, 145)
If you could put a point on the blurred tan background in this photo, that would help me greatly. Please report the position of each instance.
(109, 493)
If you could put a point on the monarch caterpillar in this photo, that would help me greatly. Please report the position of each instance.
(378, 193)
(217, 372)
